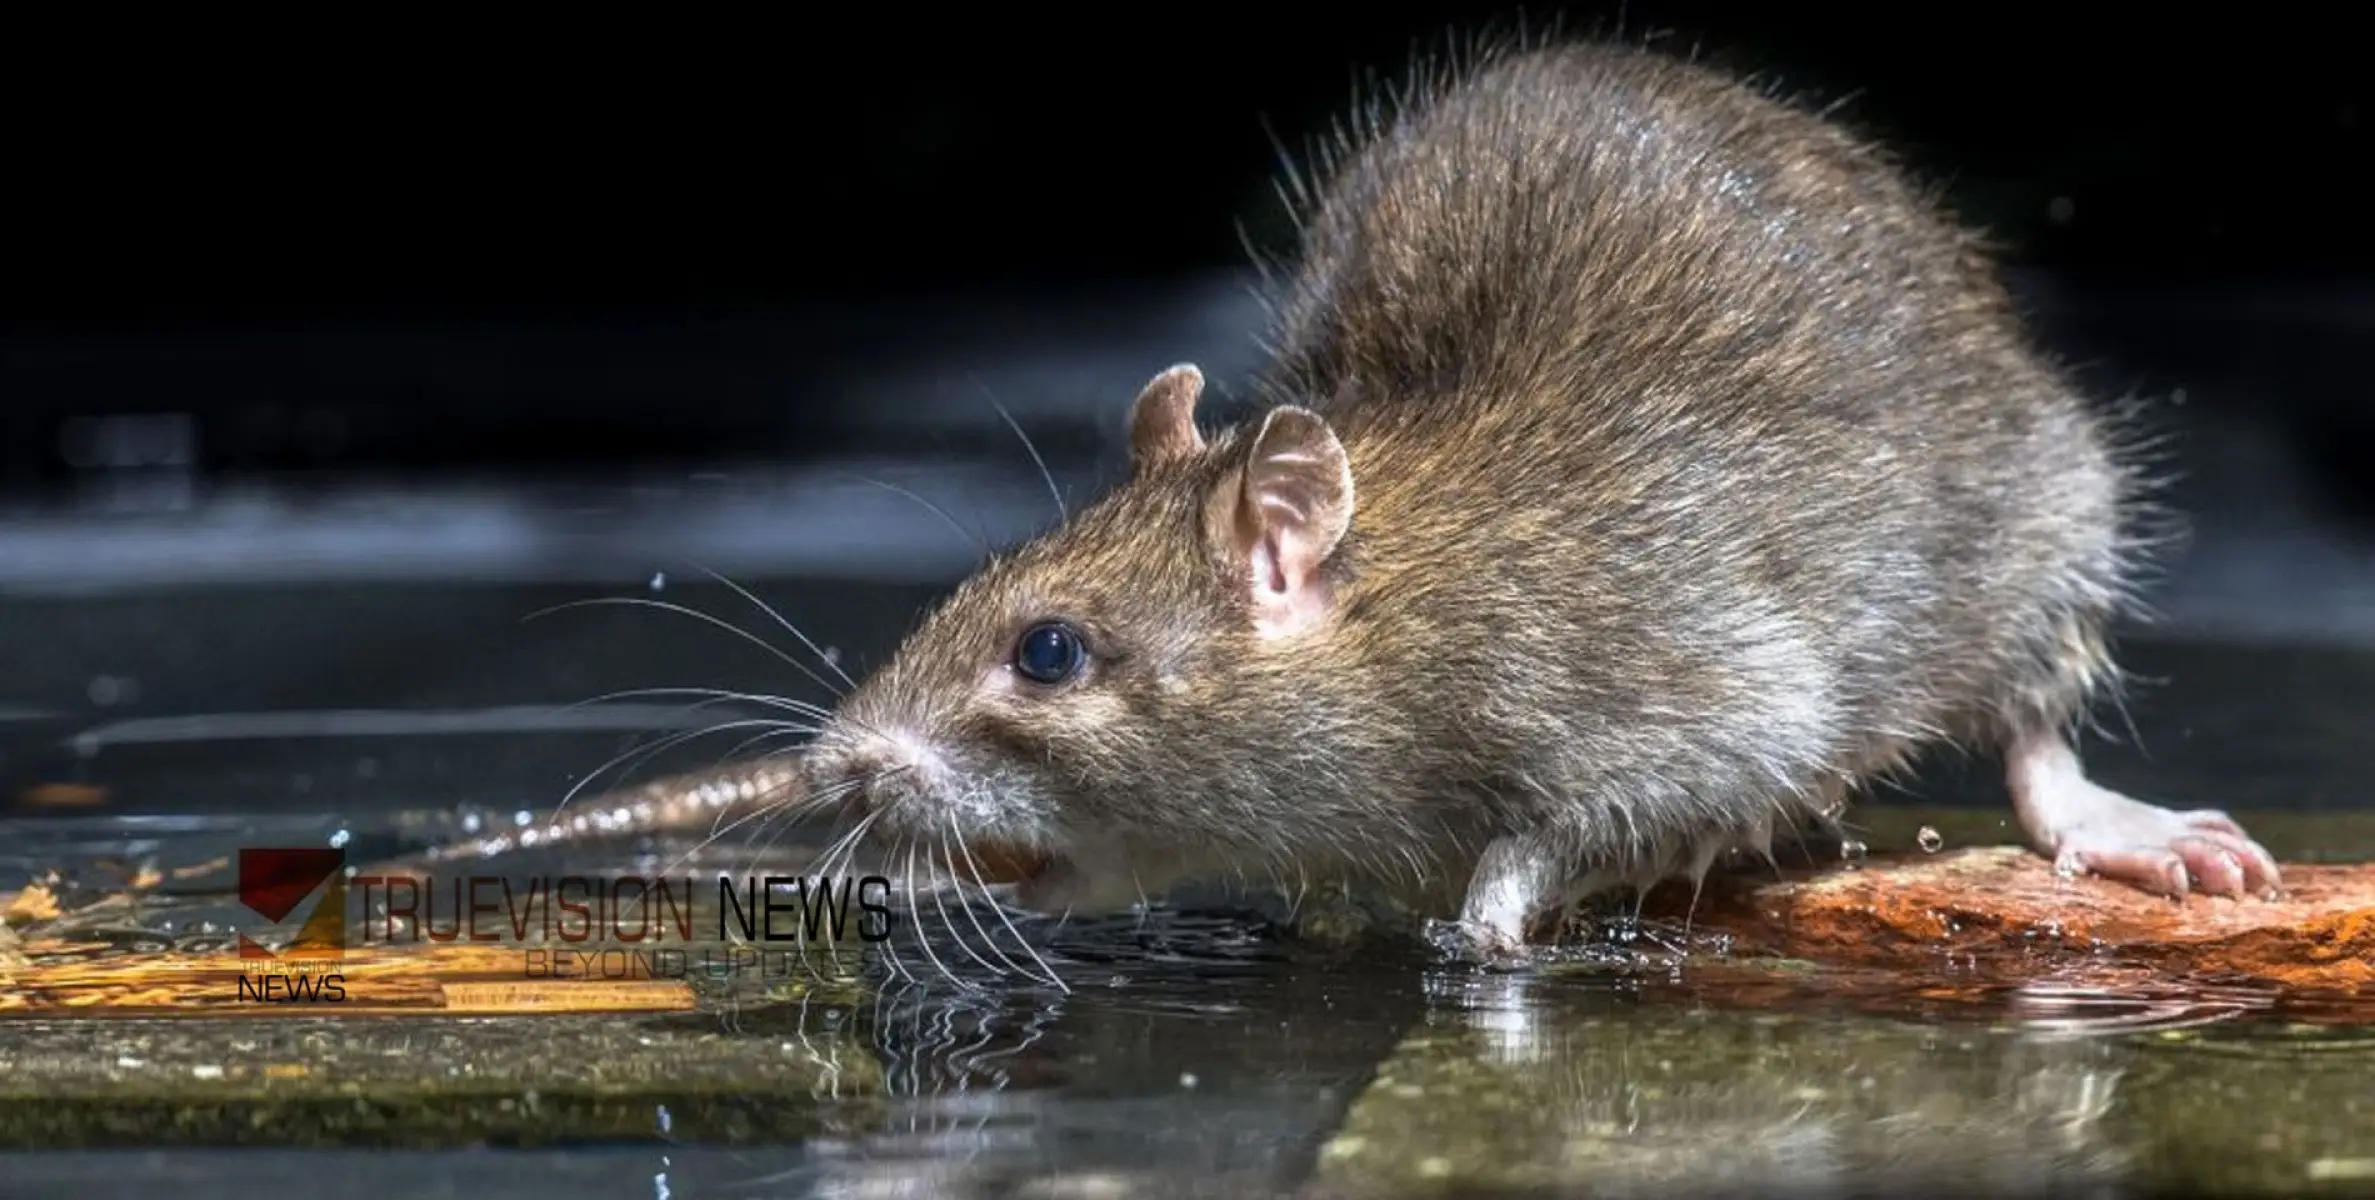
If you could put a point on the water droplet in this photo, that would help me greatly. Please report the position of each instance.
(1853, 851)
(471, 823)
(659, 581)
(339, 839)
(522, 819)
(1929, 840)
(832, 656)
(1187, 1079)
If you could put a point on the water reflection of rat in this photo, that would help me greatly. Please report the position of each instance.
(1647, 463)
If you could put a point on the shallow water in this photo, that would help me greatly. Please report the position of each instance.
(1185, 1053)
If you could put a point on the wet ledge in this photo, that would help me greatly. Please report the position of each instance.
(2000, 915)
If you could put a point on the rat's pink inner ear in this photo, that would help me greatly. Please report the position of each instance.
(1163, 419)
(1293, 507)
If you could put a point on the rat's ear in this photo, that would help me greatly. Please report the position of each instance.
(1293, 505)
(1163, 420)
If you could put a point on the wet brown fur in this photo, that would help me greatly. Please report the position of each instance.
(1703, 472)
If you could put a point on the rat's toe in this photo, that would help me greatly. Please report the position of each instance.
(2183, 858)
(2218, 869)
(2255, 867)
(2156, 869)
(2257, 870)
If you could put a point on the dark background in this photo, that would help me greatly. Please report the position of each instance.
(250, 199)
(326, 353)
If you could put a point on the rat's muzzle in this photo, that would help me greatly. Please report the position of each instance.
(862, 774)
(903, 788)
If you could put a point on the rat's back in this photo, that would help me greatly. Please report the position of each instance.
(1579, 207)
(1677, 331)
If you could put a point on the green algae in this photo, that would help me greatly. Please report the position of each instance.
(418, 1082)
(1659, 1100)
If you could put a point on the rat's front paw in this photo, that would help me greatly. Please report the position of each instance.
(1479, 944)
(2164, 851)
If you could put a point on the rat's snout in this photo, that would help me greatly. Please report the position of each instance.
(864, 771)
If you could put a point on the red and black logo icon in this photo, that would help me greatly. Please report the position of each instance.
(273, 881)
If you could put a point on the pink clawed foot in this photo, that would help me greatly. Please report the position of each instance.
(2169, 852)
(2087, 827)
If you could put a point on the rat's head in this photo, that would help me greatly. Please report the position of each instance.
(1102, 682)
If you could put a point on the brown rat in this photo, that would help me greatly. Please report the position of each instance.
(1646, 463)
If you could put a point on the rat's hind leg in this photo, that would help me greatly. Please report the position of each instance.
(2083, 825)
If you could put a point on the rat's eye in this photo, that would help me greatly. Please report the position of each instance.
(1049, 653)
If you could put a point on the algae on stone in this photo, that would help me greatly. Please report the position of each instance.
(428, 1081)
(1659, 1101)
